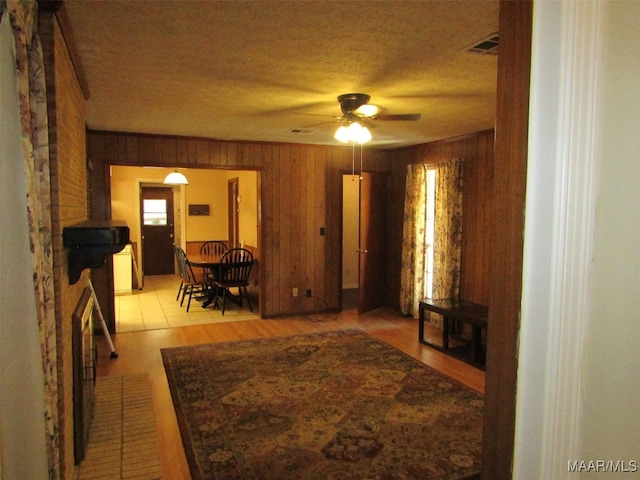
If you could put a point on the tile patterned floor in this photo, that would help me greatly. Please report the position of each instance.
(156, 307)
(123, 441)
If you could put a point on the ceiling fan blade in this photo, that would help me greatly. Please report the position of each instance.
(407, 117)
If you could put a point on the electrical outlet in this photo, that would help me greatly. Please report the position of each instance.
(295, 291)
(309, 293)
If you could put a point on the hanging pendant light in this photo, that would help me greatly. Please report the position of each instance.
(176, 178)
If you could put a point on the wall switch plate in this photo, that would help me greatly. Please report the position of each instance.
(295, 292)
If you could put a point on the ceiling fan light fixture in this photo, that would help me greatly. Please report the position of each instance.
(359, 133)
(342, 134)
(367, 110)
(176, 178)
(355, 133)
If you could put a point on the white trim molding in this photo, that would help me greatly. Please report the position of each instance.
(559, 235)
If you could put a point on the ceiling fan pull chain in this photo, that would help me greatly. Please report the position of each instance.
(353, 159)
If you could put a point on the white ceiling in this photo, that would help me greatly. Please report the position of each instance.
(256, 70)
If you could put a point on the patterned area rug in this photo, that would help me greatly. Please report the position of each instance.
(338, 405)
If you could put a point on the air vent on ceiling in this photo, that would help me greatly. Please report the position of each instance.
(486, 46)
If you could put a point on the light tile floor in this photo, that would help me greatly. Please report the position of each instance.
(123, 441)
(156, 307)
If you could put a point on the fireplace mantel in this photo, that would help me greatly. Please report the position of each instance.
(90, 243)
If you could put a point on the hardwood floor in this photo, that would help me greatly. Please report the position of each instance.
(139, 352)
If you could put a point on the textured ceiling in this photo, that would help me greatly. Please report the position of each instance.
(257, 70)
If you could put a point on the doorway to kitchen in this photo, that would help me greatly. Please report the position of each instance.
(199, 212)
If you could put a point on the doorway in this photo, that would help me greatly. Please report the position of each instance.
(157, 227)
(363, 241)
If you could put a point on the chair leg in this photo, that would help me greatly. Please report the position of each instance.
(184, 292)
(224, 299)
(189, 301)
(179, 290)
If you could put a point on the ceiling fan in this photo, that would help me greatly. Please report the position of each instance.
(356, 108)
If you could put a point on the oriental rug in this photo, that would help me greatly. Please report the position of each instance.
(336, 405)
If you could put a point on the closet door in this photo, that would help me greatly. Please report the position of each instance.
(372, 274)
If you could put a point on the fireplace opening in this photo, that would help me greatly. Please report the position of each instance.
(84, 372)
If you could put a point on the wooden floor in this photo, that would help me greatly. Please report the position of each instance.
(139, 352)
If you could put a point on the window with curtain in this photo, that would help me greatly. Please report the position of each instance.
(432, 234)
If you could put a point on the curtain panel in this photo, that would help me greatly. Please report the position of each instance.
(447, 246)
(414, 240)
(30, 76)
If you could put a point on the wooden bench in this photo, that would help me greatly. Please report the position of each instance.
(456, 311)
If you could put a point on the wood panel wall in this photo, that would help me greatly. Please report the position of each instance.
(507, 237)
(477, 152)
(66, 110)
(301, 190)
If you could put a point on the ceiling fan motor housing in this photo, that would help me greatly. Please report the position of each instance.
(350, 102)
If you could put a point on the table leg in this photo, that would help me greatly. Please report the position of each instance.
(445, 332)
(421, 323)
(476, 342)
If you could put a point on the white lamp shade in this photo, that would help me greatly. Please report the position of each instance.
(176, 178)
(342, 134)
(353, 133)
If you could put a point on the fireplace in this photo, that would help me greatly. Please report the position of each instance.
(84, 372)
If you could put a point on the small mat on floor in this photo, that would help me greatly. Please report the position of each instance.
(123, 440)
(329, 405)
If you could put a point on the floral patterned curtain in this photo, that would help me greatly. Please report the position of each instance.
(414, 241)
(448, 230)
(447, 235)
(23, 16)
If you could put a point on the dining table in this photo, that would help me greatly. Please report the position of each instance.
(210, 263)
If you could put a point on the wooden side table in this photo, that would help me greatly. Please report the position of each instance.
(456, 310)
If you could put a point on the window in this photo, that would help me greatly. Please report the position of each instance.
(430, 230)
(154, 212)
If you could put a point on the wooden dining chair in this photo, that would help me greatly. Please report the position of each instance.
(213, 248)
(235, 268)
(191, 282)
(177, 255)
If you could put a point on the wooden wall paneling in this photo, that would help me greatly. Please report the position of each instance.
(395, 215)
(276, 272)
(322, 218)
(510, 167)
(252, 155)
(146, 152)
(296, 233)
(182, 151)
(309, 202)
(341, 162)
(157, 151)
(202, 153)
(267, 246)
(192, 152)
(169, 146)
(283, 229)
(486, 179)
